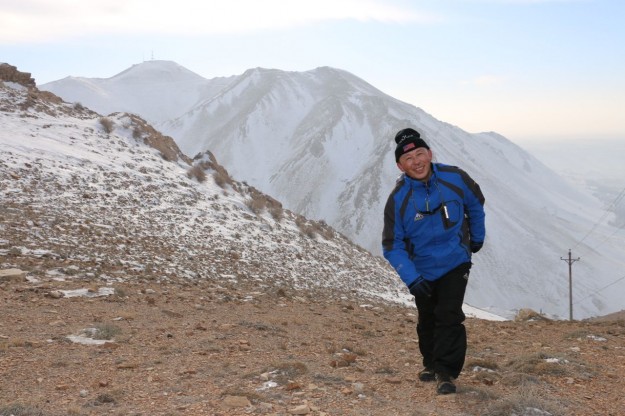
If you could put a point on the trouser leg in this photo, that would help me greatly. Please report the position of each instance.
(425, 330)
(442, 336)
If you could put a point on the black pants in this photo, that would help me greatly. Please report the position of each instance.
(442, 336)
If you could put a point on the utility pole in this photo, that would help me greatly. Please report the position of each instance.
(570, 261)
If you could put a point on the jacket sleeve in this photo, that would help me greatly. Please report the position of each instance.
(474, 205)
(393, 245)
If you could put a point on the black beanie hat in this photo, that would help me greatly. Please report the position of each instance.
(407, 140)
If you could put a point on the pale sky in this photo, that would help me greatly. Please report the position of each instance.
(528, 69)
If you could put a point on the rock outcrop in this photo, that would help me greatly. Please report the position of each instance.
(10, 73)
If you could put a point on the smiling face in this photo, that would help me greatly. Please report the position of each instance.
(416, 163)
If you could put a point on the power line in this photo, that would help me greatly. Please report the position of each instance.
(607, 212)
(610, 236)
(600, 290)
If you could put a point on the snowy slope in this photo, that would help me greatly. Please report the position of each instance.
(321, 142)
(113, 200)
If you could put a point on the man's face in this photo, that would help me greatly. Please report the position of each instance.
(416, 163)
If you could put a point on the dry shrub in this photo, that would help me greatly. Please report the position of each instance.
(305, 226)
(29, 102)
(166, 145)
(487, 377)
(528, 399)
(325, 230)
(287, 372)
(276, 212)
(577, 334)
(197, 172)
(106, 332)
(48, 97)
(19, 343)
(256, 205)
(314, 228)
(107, 124)
(18, 409)
(220, 174)
(537, 364)
(221, 177)
(111, 397)
(260, 201)
(481, 362)
(517, 379)
(120, 292)
(529, 315)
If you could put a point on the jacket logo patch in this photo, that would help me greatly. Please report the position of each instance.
(418, 217)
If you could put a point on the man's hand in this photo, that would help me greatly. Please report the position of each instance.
(420, 288)
(475, 247)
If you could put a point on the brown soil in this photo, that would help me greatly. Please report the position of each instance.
(214, 349)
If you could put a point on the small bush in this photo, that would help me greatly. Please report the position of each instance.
(104, 398)
(260, 202)
(580, 333)
(305, 227)
(529, 315)
(527, 400)
(21, 410)
(518, 379)
(255, 205)
(197, 172)
(538, 364)
(107, 124)
(480, 362)
(120, 292)
(221, 177)
(106, 332)
(289, 371)
(276, 212)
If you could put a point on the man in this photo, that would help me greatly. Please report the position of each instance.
(433, 222)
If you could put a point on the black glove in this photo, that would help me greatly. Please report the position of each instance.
(475, 247)
(420, 288)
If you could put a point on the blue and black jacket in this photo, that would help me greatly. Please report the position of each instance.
(429, 226)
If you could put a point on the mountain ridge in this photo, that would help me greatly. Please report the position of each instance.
(321, 143)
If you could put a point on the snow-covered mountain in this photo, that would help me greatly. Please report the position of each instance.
(110, 198)
(321, 142)
(162, 91)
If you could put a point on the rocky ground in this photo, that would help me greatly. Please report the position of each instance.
(208, 348)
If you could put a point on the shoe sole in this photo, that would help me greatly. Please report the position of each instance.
(446, 387)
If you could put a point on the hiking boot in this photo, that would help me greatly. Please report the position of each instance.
(444, 384)
(427, 375)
